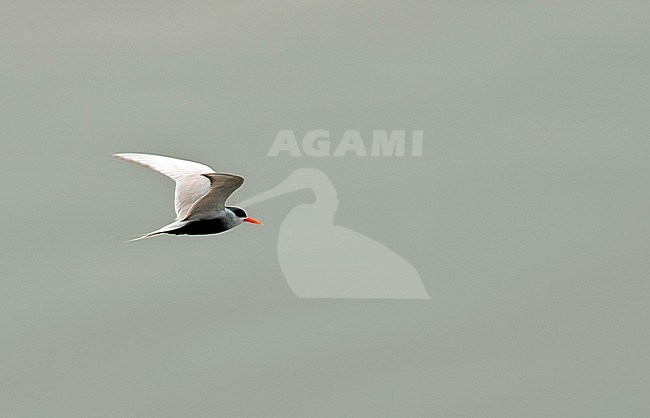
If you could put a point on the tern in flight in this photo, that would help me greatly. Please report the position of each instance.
(200, 198)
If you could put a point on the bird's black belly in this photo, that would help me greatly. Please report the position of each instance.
(203, 227)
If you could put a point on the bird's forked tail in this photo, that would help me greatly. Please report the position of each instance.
(167, 228)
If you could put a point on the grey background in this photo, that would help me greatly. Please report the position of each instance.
(527, 216)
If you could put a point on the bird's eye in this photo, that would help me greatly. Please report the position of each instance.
(239, 212)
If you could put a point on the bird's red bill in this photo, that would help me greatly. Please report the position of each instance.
(253, 221)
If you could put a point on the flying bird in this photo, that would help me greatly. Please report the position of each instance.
(200, 197)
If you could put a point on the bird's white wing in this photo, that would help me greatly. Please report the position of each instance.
(191, 185)
(222, 185)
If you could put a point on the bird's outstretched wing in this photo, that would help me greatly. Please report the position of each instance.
(222, 185)
(191, 184)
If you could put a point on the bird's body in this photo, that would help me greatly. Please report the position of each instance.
(216, 225)
(200, 196)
